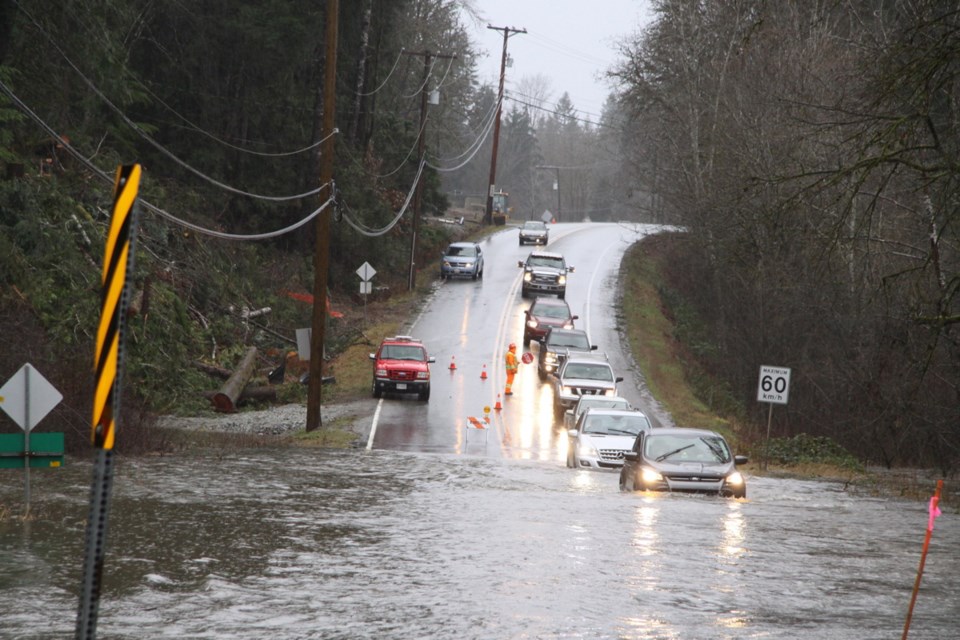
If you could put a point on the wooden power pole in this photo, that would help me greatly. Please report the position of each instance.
(421, 148)
(321, 259)
(507, 32)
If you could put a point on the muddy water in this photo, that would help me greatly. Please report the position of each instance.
(309, 544)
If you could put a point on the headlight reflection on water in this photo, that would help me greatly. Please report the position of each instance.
(731, 544)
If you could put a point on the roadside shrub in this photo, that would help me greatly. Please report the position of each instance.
(807, 449)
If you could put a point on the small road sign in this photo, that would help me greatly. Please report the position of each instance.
(366, 272)
(28, 397)
(774, 385)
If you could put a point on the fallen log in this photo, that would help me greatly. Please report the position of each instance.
(213, 370)
(226, 399)
(257, 394)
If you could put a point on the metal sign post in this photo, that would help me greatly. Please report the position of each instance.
(366, 273)
(27, 397)
(108, 360)
(773, 388)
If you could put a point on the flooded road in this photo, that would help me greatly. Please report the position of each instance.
(382, 544)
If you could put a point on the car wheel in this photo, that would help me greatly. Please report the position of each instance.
(562, 295)
(623, 480)
(425, 394)
(526, 339)
(570, 463)
(542, 374)
(377, 391)
(476, 274)
(523, 292)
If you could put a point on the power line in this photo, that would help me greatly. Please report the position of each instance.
(143, 134)
(101, 174)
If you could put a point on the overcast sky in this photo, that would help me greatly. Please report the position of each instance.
(572, 42)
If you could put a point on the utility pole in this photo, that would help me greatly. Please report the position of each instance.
(321, 258)
(421, 148)
(507, 32)
(557, 169)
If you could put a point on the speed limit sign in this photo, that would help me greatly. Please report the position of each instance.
(774, 385)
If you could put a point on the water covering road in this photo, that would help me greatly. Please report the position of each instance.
(437, 532)
(353, 544)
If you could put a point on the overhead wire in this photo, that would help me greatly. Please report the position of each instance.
(477, 144)
(103, 175)
(265, 154)
(423, 84)
(143, 134)
(389, 75)
(403, 162)
(369, 231)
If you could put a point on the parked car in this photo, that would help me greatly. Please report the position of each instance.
(570, 416)
(683, 459)
(556, 344)
(601, 437)
(545, 314)
(462, 260)
(402, 365)
(582, 375)
(535, 232)
(544, 272)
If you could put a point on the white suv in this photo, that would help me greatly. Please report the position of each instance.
(582, 376)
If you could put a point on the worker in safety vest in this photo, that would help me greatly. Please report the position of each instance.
(512, 365)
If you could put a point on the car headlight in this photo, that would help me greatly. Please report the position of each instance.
(561, 279)
(586, 450)
(650, 476)
(468, 265)
(527, 277)
(568, 325)
(735, 479)
(550, 358)
(610, 392)
(423, 375)
(381, 373)
(532, 323)
(566, 391)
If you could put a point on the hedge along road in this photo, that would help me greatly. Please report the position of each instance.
(490, 540)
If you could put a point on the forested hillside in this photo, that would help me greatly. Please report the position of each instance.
(810, 149)
(222, 105)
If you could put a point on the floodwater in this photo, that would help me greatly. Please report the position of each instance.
(303, 544)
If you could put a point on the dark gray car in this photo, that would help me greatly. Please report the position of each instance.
(557, 343)
(685, 460)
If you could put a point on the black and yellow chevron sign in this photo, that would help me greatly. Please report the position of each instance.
(117, 265)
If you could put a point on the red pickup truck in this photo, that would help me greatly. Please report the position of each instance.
(401, 365)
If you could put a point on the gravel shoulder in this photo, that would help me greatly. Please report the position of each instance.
(355, 416)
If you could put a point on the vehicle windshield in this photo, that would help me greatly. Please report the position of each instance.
(603, 403)
(616, 425)
(589, 371)
(402, 352)
(576, 341)
(546, 261)
(466, 251)
(686, 448)
(551, 311)
(534, 226)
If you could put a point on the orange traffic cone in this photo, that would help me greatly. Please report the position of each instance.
(497, 407)
(483, 374)
(453, 365)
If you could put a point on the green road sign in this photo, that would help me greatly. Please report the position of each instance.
(46, 450)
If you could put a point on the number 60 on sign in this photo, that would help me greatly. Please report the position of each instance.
(774, 385)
